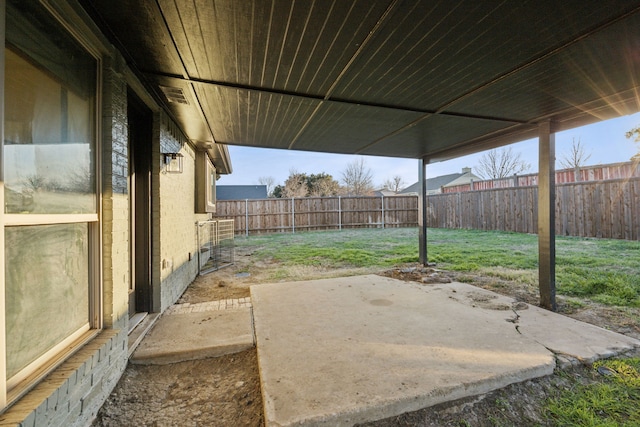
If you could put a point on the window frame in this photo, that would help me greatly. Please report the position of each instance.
(205, 177)
(11, 389)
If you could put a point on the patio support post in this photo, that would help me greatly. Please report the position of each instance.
(422, 211)
(546, 217)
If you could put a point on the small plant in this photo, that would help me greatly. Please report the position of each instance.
(502, 404)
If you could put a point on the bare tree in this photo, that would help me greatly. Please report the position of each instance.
(501, 163)
(80, 180)
(394, 184)
(270, 182)
(35, 182)
(635, 135)
(576, 157)
(357, 178)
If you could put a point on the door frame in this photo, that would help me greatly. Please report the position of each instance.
(140, 148)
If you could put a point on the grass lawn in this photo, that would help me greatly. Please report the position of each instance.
(612, 401)
(601, 270)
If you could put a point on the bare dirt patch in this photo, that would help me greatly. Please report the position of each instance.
(234, 281)
(225, 391)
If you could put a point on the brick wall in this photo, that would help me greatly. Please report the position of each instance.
(72, 394)
(178, 241)
(115, 198)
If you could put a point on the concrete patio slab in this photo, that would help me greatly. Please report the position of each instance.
(337, 352)
(199, 332)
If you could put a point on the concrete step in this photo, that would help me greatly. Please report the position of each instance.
(197, 331)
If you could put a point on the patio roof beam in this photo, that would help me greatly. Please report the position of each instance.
(546, 217)
(260, 90)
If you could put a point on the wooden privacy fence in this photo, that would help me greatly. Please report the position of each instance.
(611, 171)
(605, 209)
(319, 213)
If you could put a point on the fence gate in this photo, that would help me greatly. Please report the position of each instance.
(215, 245)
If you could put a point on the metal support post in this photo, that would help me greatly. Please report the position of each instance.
(546, 217)
(422, 216)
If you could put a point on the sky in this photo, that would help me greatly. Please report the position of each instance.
(605, 141)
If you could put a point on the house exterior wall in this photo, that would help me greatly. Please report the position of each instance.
(178, 241)
(115, 196)
(73, 392)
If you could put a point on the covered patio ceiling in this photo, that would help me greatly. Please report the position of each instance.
(404, 78)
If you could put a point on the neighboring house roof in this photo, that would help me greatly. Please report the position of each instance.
(241, 192)
(384, 192)
(435, 184)
(463, 179)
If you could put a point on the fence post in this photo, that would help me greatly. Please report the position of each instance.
(246, 217)
(459, 210)
(382, 202)
(339, 213)
(293, 216)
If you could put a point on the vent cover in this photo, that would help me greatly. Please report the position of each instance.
(174, 95)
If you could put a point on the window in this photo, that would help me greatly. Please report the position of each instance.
(48, 147)
(47, 303)
(205, 184)
(50, 220)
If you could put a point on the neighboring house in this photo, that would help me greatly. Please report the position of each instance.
(435, 185)
(102, 191)
(623, 170)
(384, 193)
(241, 192)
